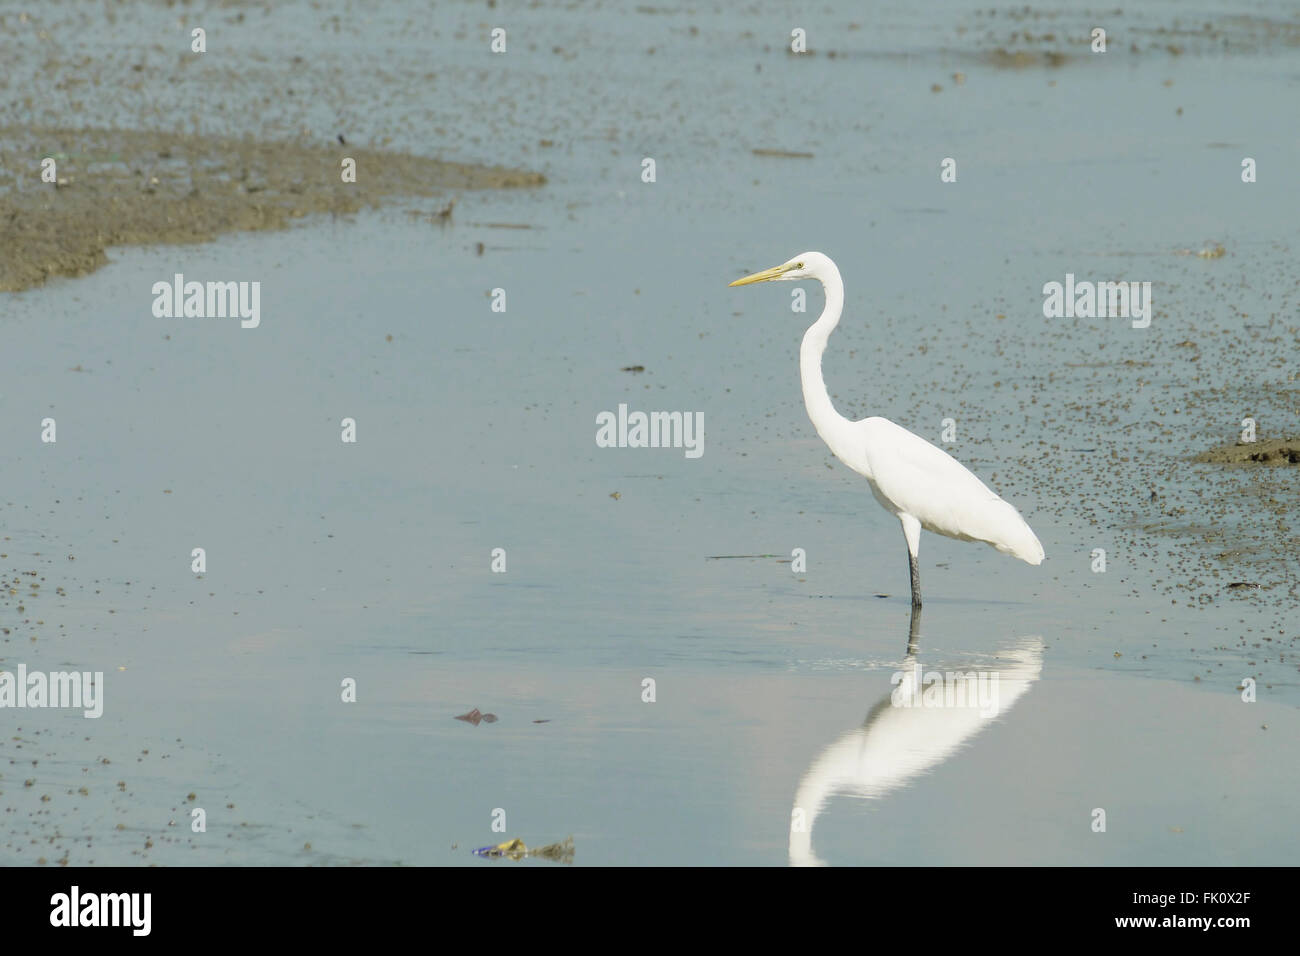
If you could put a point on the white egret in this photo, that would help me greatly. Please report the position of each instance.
(921, 485)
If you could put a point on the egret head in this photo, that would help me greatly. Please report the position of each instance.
(806, 265)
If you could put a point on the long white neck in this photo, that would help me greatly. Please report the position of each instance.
(815, 396)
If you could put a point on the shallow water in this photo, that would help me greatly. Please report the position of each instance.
(372, 560)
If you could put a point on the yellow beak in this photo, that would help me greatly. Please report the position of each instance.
(765, 275)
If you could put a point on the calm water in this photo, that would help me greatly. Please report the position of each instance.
(476, 431)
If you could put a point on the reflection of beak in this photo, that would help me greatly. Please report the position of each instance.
(765, 275)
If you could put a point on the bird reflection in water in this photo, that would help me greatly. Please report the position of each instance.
(924, 719)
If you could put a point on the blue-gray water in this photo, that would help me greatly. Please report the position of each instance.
(476, 431)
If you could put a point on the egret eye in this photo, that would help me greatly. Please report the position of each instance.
(799, 265)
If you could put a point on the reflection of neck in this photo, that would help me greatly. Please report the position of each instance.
(811, 796)
(815, 397)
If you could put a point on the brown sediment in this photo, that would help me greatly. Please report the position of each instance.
(134, 187)
(782, 153)
(1277, 451)
(1023, 59)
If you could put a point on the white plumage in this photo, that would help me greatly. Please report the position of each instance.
(920, 484)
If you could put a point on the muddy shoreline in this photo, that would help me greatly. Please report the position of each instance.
(1276, 451)
(133, 187)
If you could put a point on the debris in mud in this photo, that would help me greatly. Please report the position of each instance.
(515, 849)
(512, 849)
(440, 217)
(1211, 251)
(1276, 451)
(782, 153)
(475, 717)
(1022, 59)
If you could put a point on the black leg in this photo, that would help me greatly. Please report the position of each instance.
(914, 631)
(916, 581)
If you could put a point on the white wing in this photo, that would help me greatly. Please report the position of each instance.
(911, 476)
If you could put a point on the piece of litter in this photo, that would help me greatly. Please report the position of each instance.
(782, 153)
(475, 717)
(516, 850)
